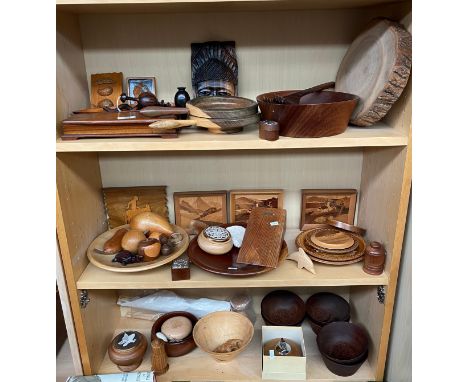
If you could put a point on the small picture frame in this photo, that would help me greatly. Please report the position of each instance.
(138, 85)
(200, 205)
(243, 201)
(320, 205)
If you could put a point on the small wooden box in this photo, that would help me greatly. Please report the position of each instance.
(283, 368)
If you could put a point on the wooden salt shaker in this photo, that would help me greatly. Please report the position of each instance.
(374, 258)
(268, 130)
(158, 358)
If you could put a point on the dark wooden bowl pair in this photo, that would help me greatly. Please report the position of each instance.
(343, 346)
(175, 349)
(319, 114)
(283, 308)
(325, 307)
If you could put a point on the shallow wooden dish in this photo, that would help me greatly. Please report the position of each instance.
(105, 261)
(225, 264)
(319, 114)
(176, 349)
(222, 107)
(216, 328)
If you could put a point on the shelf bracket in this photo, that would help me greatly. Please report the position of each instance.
(381, 294)
(84, 298)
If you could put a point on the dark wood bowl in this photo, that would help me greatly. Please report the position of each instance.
(343, 343)
(343, 370)
(282, 307)
(319, 114)
(325, 307)
(175, 349)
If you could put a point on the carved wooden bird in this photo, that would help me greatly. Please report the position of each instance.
(303, 261)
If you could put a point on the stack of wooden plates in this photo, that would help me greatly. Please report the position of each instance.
(329, 245)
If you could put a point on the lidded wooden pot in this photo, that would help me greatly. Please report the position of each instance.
(127, 350)
(374, 258)
(215, 240)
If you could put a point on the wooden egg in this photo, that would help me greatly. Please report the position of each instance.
(177, 328)
(131, 240)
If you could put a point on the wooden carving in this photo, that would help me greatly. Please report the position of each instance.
(105, 89)
(122, 203)
(302, 260)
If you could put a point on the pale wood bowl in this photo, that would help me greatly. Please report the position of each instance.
(216, 328)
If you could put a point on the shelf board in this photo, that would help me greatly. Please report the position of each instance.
(139, 6)
(196, 140)
(287, 275)
(247, 366)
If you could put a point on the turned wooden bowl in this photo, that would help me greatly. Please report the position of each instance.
(283, 308)
(343, 346)
(216, 328)
(325, 307)
(175, 349)
(319, 114)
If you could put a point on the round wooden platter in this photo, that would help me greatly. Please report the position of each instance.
(376, 68)
(347, 227)
(331, 238)
(105, 261)
(227, 265)
(222, 107)
(313, 247)
(332, 258)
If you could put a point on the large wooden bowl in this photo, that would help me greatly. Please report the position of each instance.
(105, 261)
(283, 308)
(324, 308)
(216, 328)
(320, 114)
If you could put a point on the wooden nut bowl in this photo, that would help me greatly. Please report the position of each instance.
(325, 307)
(175, 349)
(216, 328)
(319, 114)
(282, 307)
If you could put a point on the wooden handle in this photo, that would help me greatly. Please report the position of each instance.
(317, 88)
(157, 111)
(168, 124)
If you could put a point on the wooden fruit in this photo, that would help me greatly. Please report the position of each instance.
(114, 244)
(149, 249)
(131, 239)
(149, 221)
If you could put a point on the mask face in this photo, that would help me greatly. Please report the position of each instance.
(215, 88)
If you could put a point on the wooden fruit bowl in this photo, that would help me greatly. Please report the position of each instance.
(319, 114)
(216, 328)
(105, 261)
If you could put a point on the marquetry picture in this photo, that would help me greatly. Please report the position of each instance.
(105, 89)
(243, 201)
(320, 205)
(200, 205)
(122, 203)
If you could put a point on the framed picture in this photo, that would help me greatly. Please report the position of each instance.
(320, 205)
(200, 205)
(243, 201)
(138, 85)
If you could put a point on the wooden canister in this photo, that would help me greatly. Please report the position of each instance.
(127, 350)
(159, 357)
(269, 130)
(374, 258)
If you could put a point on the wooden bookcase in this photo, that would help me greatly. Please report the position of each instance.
(281, 44)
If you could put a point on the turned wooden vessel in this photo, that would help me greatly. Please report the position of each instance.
(159, 362)
(215, 240)
(374, 258)
(127, 350)
(268, 130)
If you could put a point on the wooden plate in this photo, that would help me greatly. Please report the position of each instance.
(331, 239)
(105, 261)
(336, 262)
(226, 264)
(347, 227)
(222, 107)
(331, 258)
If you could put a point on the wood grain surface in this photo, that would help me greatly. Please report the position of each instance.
(263, 237)
(376, 67)
(331, 239)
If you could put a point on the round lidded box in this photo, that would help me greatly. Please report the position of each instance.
(215, 240)
(268, 130)
(127, 350)
(374, 258)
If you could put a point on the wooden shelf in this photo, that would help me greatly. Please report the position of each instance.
(138, 6)
(286, 275)
(199, 366)
(195, 140)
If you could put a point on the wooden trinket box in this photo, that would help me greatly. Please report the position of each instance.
(127, 350)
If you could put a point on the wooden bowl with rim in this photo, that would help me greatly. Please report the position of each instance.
(176, 349)
(283, 308)
(325, 307)
(216, 328)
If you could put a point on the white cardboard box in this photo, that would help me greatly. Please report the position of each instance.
(283, 368)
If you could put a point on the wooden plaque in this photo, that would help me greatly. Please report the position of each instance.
(122, 203)
(263, 237)
(105, 89)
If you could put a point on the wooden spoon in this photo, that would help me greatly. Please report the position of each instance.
(294, 98)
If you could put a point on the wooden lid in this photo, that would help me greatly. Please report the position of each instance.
(269, 126)
(347, 227)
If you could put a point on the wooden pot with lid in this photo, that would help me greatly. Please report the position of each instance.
(374, 258)
(127, 350)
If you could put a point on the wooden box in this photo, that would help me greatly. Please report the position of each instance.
(284, 368)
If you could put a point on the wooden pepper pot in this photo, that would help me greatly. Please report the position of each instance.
(127, 350)
(374, 258)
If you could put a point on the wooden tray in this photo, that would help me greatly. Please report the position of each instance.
(221, 264)
(105, 261)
